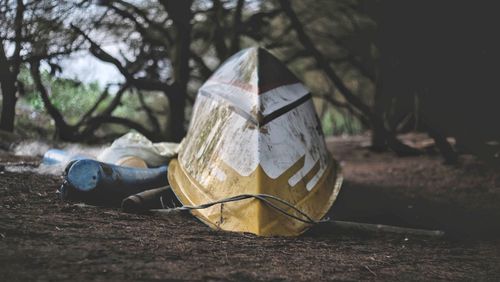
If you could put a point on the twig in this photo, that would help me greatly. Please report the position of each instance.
(83, 205)
(371, 271)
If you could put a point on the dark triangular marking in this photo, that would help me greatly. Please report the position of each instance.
(271, 72)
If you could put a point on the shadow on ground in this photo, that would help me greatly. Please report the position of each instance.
(361, 203)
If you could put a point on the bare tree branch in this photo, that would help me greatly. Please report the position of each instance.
(64, 130)
(141, 83)
(95, 122)
(375, 120)
(39, 57)
(322, 61)
(237, 27)
(151, 24)
(346, 106)
(251, 26)
(116, 101)
(152, 32)
(205, 71)
(71, 133)
(149, 112)
(91, 111)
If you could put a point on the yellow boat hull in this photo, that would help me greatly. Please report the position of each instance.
(253, 215)
(255, 131)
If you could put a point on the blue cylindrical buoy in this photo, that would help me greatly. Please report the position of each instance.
(97, 182)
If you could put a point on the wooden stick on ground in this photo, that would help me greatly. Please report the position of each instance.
(357, 226)
(353, 226)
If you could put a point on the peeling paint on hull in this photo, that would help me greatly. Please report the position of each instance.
(229, 151)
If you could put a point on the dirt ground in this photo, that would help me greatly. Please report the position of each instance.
(42, 238)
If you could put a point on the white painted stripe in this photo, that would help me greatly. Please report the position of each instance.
(301, 174)
(310, 185)
(245, 100)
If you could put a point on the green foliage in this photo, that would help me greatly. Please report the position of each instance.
(337, 122)
(71, 97)
(130, 107)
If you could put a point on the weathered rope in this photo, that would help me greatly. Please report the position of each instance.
(263, 197)
(307, 219)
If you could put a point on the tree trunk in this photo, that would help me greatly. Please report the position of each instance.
(379, 139)
(235, 37)
(9, 89)
(218, 32)
(9, 72)
(180, 12)
(8, 105)
(177, 115)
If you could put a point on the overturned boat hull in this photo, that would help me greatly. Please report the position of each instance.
(255, 131)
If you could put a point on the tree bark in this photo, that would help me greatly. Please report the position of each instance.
(9, 89)
(8, 103)
(9, 70)
(180, 12)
